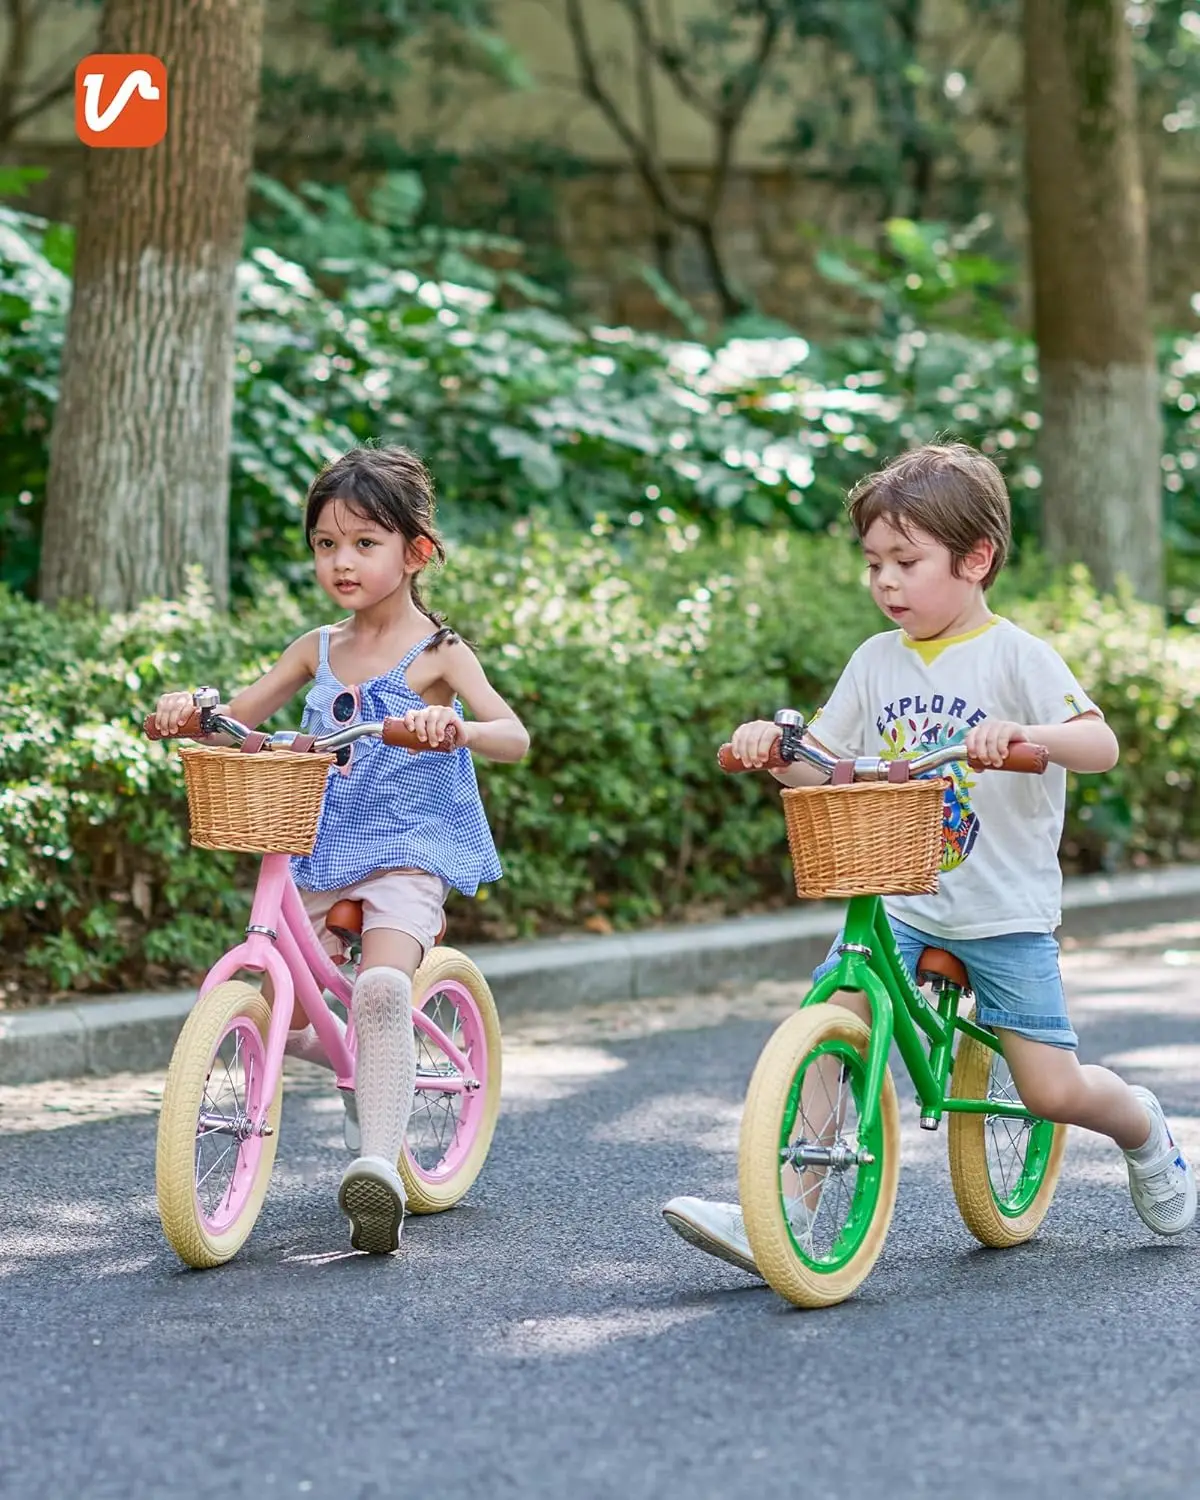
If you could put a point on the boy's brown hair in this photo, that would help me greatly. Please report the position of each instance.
(950, 491)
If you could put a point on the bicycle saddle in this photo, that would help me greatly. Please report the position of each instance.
(936, 963)
(345, 919)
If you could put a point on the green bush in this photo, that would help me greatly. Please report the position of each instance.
(628, 669)
(361, 331)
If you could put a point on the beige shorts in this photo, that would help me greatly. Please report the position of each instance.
(408, 901)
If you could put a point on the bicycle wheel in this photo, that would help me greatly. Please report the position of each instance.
(817, 1222)
(449, 1134)
(1003, 1171)
(212, 1167)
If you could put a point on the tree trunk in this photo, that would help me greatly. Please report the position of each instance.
(138, 486)
(1101, 440)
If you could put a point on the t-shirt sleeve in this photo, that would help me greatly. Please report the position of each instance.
(1051, 689)
(840, 723)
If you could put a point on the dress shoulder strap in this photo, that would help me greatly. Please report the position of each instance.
(416, 651)
(323, 648)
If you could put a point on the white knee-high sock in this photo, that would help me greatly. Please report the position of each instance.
(386, 1069)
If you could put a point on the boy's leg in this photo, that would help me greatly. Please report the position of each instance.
(1053, 1083)
(1019, 994)
(719, 1228)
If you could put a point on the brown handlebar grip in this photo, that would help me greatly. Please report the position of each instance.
(1023, 757)
(396, 732)
(728, 761)
(190, 726)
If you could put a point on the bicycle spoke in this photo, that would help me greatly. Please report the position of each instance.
(1008, 1139)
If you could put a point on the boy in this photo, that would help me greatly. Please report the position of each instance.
(935, 528)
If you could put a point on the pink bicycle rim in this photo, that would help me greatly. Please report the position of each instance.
(244, 1155)
(473, 1042)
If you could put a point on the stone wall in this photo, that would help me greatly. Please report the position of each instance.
(604, 224)
(773, 223)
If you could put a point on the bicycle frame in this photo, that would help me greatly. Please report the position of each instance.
(280, 941)
(869, 961)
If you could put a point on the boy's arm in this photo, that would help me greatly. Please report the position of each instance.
(800, 773)
(1084, 744)
(1058, 714)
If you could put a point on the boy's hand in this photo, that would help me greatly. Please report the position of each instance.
(173, 709)
(752, 743)
(990, 741)
(430, 725)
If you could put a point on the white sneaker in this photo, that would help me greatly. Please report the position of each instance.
(372, 1197)
(716, 1228)
(1163, 1189)
(351, 1133)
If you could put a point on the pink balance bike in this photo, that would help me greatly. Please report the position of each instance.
(219, 1126)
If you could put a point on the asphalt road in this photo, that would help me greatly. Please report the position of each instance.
(552, 1338)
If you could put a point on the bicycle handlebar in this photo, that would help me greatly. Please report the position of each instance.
(391, 731)
(1031, 759)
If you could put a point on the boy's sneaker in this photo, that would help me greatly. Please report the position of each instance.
(351, 1133)
(719, 1228)
(372, 1198)
(716, 1228)
(1162, 1186)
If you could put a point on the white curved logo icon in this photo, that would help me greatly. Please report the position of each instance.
(138, 82)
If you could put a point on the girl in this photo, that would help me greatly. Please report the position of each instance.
(397, 829)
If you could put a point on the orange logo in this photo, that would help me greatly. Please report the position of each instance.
(121, 99)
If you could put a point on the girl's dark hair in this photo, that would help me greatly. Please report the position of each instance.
(391, 488)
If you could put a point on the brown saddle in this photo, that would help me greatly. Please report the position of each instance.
(345, 919)
(935, 964)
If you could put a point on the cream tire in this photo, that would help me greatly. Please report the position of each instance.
(767, 1101)
(442, 967)
(183, 1222)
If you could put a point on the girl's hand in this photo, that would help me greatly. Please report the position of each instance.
(991, 741)
(173, 710)
(430, 725)
(752, 743)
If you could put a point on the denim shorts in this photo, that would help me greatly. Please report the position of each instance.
(1015, 977)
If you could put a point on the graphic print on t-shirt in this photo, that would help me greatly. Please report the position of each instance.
(911, 726)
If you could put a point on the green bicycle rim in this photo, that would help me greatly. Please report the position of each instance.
(867, 1182)
(1028, 1182)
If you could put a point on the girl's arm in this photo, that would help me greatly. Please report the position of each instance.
(255, 703)
(495, 732)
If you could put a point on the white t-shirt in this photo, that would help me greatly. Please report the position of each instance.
(899, 697)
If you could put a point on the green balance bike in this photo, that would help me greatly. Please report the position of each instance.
(819, 1154)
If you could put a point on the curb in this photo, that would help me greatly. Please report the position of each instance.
(135, 1033)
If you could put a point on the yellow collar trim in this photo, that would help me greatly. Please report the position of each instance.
(930, 650)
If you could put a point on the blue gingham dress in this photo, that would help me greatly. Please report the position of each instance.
(389, 809)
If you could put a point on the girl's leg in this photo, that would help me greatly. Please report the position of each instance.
(371, 1192)
(386, 1067)
(302, 1039)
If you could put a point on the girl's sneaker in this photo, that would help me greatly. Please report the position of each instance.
(1161, 1182)
(372, 1198)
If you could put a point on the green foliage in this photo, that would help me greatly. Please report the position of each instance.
(629, 669)
(519, 409)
